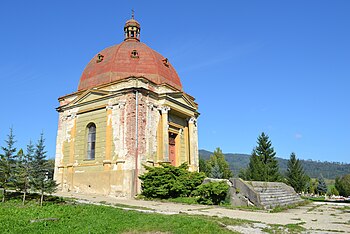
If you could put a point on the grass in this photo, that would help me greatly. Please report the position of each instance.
(313, 208)
(184, 200)
(289, 228)
(124, 206)
(344, 209)
(292, 206)
(245, 208)
(318, 199)
(59, 217)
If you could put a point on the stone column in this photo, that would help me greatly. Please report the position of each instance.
(193, 143)
(165, 138)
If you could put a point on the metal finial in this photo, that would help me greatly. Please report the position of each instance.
(132, 13)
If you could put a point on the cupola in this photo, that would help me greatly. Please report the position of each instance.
(132, 29)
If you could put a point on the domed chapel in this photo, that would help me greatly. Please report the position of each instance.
(129, 110)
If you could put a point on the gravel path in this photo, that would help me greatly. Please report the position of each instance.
(316, 217)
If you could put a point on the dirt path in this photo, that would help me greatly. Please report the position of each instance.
(316, 217)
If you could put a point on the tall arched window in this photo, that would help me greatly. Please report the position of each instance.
(91, 141)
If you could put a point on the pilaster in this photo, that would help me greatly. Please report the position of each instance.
(193, 143)
(165, 138)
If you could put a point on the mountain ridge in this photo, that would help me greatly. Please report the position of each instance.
(329, 170)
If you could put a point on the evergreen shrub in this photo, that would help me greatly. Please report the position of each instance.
(212, 193)
(168, 181)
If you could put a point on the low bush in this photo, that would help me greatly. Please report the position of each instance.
(168, 181)
(212, 193)
(175, 183)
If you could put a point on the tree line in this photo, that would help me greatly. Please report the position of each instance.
(25, 171)
(263, 166)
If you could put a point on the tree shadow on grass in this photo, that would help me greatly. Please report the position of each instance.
(30, 197)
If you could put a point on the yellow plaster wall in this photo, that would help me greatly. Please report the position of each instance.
(103, 139)
(109, 131)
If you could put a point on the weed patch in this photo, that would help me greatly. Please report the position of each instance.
(313, 208)
(289, 228)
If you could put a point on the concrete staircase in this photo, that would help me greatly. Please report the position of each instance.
(266, 194)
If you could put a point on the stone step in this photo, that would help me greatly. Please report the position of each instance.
(272, 205)
(271, 190)
(277, 198)
(277, 193)
(280, 201)
(268, 194)
(290, 198)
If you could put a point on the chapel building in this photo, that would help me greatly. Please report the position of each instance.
(129, 110)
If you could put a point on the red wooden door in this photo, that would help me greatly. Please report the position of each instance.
(172, 149)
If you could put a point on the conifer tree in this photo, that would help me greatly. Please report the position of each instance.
(256, 168)
(8, 163)
(203, 166)
(39, 171)
(24, 169)
(217, 166)
(263, 165)
(215, 171)
(243, 173)
(19, 166)
(321, 186)
(342, 184)
(295, 174)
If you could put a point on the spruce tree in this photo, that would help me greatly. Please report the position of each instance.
(321, 186)
(217, 166)
(24, 169)
(215, 171)
(19, 166)
(263, 165)
(39, 171)
(8, 164)
(295, 174)
(256, 168)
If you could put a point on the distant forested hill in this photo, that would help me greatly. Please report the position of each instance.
(329, 170)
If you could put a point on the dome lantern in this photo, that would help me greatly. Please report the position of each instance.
(132, 29)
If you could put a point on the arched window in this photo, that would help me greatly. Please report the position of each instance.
(91, 141)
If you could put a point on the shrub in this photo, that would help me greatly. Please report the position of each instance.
(334, 191)
(212, 193)
(343, 185)
(168, 181)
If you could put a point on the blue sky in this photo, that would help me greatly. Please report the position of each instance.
(281, 67)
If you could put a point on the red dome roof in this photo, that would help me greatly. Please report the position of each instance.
(129, 58)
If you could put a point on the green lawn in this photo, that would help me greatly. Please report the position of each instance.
(77, 218)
